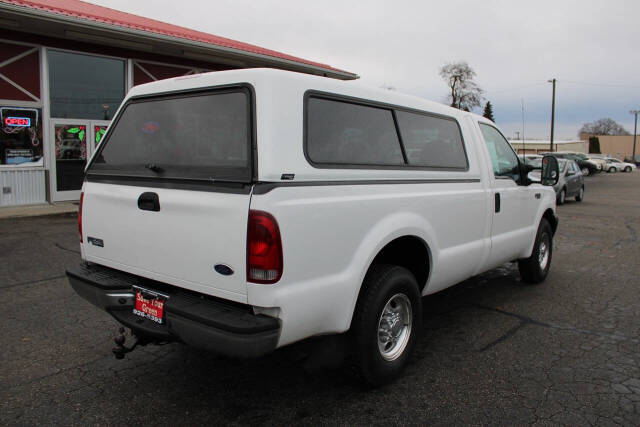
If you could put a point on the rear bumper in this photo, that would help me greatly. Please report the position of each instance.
(195, 319)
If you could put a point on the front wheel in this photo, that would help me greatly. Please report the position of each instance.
(580, 195)
(627, 169)
(586, 171)
(386, 323)
(535, 268)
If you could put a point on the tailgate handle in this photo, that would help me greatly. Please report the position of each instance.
(149, 202)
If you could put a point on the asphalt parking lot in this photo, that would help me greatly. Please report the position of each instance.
(494, 351)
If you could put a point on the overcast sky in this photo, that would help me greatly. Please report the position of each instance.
(591, 47)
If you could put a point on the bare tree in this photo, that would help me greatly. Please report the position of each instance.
(603, 127)
(464, 92)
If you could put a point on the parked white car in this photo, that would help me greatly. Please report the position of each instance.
(615, 165)
(242, 211)
(600, 161)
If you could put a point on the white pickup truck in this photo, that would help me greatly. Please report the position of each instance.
(242, 211)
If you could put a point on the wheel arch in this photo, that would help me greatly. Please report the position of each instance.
(410, 252)
(549, 214)
(552, 219)
(409, 248)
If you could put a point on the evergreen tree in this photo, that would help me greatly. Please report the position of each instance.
(488, 111)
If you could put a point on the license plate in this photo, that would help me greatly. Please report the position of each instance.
(150, 306)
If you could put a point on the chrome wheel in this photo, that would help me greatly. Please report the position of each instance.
(585, 171)
(394, 327)
(543, 251)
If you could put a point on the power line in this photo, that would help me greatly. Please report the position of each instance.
(515, 88)
(600, 84)
(564, 81)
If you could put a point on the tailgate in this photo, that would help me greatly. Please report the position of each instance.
(180, 244)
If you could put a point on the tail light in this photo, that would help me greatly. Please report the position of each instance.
(264, 248)
(80, 216)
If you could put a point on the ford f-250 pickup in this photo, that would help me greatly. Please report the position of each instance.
(242, 211)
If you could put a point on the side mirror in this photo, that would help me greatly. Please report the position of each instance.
(533, 177)
(550, 170)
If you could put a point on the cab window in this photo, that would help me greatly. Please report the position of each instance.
(503, 158)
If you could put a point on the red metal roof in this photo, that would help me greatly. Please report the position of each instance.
(92, 12)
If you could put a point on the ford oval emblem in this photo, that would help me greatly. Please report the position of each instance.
(223, 269)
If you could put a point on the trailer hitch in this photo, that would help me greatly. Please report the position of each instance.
(120, 350)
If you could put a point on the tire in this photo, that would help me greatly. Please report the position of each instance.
(627, 169)
(586, 171)
(562, 196)
(376, 360)
(611, 170)
(535, 268)
(580, 195)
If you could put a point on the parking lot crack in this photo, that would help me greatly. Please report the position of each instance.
(522, 318)
(504, 336)
(528, 320)
(31, 282)
(59, 246)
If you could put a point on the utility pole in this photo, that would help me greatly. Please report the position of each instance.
(635, 131)
(553, 111)
(524, 147)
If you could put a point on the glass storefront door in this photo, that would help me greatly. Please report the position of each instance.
(74, 143)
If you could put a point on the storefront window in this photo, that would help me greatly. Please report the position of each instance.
(21, 136)
(71, 155)
(84, 86)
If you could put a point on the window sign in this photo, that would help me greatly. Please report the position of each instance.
(98, 131)
(17, 121)
(20, 136)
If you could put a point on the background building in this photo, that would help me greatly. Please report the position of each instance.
(65, 67)
(536, 146)
(620, 146)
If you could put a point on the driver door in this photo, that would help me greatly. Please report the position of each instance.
(515, 204)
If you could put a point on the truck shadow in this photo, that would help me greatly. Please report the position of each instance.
(457, 323)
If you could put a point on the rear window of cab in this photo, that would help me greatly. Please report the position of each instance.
(199, 136)
(346, 133)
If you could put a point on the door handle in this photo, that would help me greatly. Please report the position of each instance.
(149, 202)
(497, 202)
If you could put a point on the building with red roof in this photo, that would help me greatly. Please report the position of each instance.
(65, 66)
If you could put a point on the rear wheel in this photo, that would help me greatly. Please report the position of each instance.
(585, 171)
(535, 268)
(580, 195)
(611, 169)
(386, 323)
(562, 196)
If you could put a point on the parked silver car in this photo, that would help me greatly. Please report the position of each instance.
(570, 183)
(615, 165)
